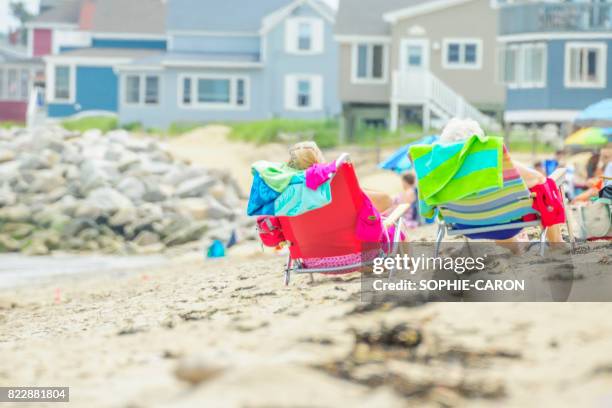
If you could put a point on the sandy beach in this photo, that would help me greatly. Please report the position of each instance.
(118, 341)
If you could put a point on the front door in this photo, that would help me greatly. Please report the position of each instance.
(414, 54)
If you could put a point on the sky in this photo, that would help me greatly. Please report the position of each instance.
(7, 21)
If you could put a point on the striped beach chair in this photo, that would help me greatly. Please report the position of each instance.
(495, 213)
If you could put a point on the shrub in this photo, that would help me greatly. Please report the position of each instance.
(324, 132)
(104, 123)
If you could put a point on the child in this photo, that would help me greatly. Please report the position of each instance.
(408, 196)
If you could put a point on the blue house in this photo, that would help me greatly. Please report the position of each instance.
(235, 61)
(88, 39)
(555, 58)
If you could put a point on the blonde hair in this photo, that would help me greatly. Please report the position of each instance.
(458, 129)
(305, 154)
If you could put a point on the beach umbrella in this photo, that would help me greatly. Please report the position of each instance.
(399, 161)
(598, 114)
(591, 136)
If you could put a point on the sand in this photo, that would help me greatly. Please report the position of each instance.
(118, 339)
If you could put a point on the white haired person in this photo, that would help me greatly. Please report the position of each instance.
(457, 130)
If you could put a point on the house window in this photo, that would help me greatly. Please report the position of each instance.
(187, 91)
(13, 85)
(240, 92)
(370, 63)
(142, 89)
(62, 83)
(585, 65)
(303, 92)
(24, 82)
(415, 56)
(304, 35)
(132, 89)
(534, 66)
(462, 54)
(211, 92)
(523, 65)
(151, 90)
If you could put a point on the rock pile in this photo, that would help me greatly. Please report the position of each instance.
(114, 193)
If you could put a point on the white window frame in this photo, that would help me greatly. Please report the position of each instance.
(50, 74)
(233, 103)
(4, 95)
(355, 61)
(521, 74)
(520, 82)
(292, 38)
(462, 44)
(602, 68)
(141, 90)
(422, 42)
(316, 92)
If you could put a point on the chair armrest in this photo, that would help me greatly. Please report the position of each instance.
(344, 157)
(559, 175)
(396, 214)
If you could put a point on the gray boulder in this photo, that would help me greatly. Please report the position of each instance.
(196, 187)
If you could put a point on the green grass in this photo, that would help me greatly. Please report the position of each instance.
(371, 137)
(9, 124)
(324, 132)
(104, 123)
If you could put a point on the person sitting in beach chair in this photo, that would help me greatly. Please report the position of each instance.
(480, 191)
(342, 233)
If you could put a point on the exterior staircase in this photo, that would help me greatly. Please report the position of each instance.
(421, 87)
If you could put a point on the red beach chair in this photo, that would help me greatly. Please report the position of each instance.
(324, 240)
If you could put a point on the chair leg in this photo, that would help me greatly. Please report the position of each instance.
(288, 271)
(439, 237)
(311, 278)
(568, 224)
(543, 241)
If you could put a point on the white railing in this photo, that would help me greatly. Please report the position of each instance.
(32, 107)
(423, 87)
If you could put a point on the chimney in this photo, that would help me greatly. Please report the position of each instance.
(88, 8)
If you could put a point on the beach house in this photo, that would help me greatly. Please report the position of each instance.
(82, 40)
(235, 60)
(555, 58)
(417, 60)
(18, 74)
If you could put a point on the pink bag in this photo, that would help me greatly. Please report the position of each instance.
(369, 222)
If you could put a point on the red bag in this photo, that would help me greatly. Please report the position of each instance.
(549, 203)
(270, 232)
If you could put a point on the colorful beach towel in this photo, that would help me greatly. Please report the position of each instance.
(297, 198)
(276, 175)
(450, 172)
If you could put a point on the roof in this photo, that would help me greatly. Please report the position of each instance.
(65, 12)
(10, 55)
(129, 16)
(109, 16)
(124, 53)
(214, 15)
(365, 17)
(195, 59)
